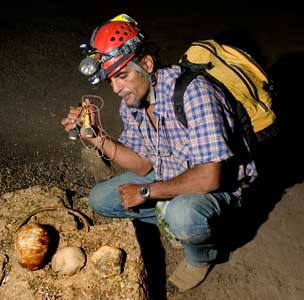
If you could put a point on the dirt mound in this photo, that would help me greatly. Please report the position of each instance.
(67, 229)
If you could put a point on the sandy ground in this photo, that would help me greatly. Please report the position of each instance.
(39, 80)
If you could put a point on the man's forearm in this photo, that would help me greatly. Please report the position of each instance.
(203, 178)
(122, 155)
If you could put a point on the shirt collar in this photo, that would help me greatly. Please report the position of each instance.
(164, 90)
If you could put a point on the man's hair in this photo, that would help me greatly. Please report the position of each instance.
(148, 48)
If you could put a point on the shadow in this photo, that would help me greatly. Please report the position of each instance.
(123, 260)
(69, 203)
(280, 161)
(53, 244)
(153, 255)
(289, 105)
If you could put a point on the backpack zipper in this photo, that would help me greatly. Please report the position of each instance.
(251, 87)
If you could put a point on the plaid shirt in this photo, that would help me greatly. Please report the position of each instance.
(172, 148)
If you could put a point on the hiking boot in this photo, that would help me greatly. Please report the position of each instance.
(186, 276)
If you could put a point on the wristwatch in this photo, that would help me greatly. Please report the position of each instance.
(145, 192)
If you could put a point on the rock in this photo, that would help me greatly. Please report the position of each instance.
(99, 168)
(95, 165)
(108, 261)
(68, 260)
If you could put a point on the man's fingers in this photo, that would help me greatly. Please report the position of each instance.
(68, 124)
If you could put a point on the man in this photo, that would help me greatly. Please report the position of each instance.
(185, 177)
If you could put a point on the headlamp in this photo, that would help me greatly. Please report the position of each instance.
(89, 66)
(99, 76)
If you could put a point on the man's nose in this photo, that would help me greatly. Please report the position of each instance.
(116, 87)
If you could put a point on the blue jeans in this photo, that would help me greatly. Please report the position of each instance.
(192, 218)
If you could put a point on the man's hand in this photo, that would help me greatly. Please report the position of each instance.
(130, 196)
(70, 122)
(75, 118)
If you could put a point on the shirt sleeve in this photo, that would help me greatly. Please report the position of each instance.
(207, 117)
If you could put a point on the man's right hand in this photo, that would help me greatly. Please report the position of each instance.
(72, 120)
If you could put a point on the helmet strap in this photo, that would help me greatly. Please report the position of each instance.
(150, 76)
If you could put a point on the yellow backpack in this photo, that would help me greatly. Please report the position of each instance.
(238, 74)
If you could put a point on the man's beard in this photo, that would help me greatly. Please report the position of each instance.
(138, 103)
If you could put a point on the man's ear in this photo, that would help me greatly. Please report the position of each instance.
(147, 63)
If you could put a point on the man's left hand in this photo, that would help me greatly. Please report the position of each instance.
(130, 196)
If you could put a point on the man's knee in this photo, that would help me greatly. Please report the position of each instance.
(99, 196)
(188, 221)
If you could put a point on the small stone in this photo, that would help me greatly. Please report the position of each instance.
(8, 196)
(68, 260)
(36, 189)
(108, 261)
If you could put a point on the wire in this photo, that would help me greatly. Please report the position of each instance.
(101, 133)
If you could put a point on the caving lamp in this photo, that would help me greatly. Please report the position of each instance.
(89, 66)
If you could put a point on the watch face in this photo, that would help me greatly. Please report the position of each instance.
(144, 191)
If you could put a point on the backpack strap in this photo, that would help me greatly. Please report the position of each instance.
(189, 72)
(246, 127)
(181, 84)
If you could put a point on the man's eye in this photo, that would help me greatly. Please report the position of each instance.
(122, 76)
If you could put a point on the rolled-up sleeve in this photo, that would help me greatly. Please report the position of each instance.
(208, 136)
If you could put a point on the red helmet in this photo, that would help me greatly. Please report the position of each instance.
(116, 42)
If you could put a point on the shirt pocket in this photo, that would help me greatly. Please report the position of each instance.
(181, 151)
